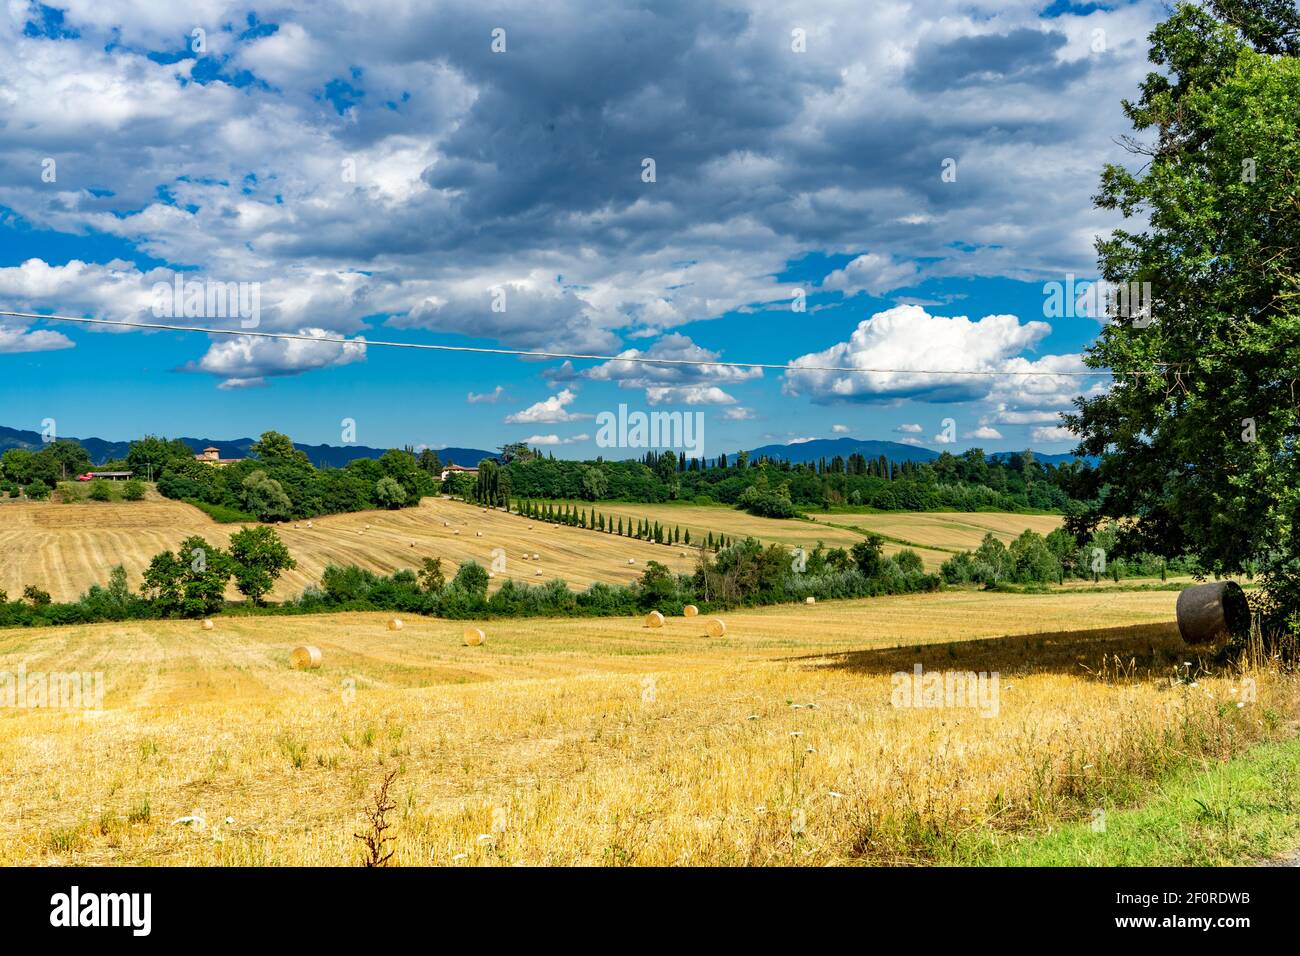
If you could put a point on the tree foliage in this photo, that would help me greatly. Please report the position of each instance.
(1198, 435)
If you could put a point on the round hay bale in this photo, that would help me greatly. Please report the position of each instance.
(208, 624)
(690, 610)
(810, 600)
(717, 627)
(654, 619)
(455, 531)
(631, 560)
(1213, 611)
(478, 534)
(474, 637)
(305, 657)
(395, 624)
(309, 524)
(537, 573)
(536, 556)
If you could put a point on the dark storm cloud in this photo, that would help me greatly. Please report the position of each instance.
(1021, 56)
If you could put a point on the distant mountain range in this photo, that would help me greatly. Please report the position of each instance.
(819, 448)
(334, 456)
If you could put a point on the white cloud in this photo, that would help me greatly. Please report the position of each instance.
(909, 429)
(738, 413)
(1054, 433)
(486, 398)
(549, 411)
(840, 429)
(907, 353)
(697, 384)
(554, 439)
(246, 362)
(16, 338)
(687, 395)
(1005, 416)
(872, 273)
(983, 432)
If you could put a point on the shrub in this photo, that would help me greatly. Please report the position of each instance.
(431, 577)
(263, 496)
(99, 490)
(133, 490)
(909, 562)
(34, 594)
(388, 493)
(221, 514)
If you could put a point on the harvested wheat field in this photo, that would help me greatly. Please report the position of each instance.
(722, 519)
(947, 531)
(602, 741)
(65, 548)
(788, 532)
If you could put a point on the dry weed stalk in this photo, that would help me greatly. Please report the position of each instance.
(377, 813)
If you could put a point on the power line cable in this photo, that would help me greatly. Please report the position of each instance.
(536, 353)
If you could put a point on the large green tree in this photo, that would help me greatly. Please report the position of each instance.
(1198, 434)
(258, 557)
(190, 582)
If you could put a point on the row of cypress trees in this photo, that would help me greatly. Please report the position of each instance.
(644, 530)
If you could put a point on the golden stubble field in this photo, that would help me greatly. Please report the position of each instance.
(65, 548)
(935, 536)
(601, 741)
(949, 530)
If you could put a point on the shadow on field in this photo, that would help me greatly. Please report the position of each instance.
(1142, 649)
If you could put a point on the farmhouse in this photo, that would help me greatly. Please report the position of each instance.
(212, 456)
(453, 468)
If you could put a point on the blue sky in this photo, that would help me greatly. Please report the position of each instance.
(387, 174)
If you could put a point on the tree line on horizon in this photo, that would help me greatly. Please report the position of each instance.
(972, 481)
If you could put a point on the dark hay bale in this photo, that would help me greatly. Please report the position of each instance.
(1209, 612)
